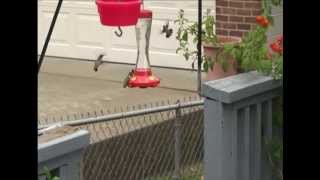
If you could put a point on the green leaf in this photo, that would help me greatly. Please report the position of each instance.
(211, 64)
(47, 172)
(178, 49)
(205, 66)
(224, 65)
(185, 36)
(186, 56)
(276, 2)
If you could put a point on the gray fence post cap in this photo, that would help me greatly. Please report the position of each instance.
(62, 145)
(240, 86)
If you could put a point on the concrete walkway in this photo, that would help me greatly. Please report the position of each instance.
(71, 87)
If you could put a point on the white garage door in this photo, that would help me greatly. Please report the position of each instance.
(79, 34)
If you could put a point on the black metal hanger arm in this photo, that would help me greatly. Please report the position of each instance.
(45, 46)
(199, 44)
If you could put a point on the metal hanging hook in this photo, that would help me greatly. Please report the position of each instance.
(119, 34)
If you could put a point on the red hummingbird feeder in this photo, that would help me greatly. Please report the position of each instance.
(127, 13)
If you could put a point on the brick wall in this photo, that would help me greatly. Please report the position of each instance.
(236, 17)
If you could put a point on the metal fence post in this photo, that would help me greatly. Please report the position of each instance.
(177, 143)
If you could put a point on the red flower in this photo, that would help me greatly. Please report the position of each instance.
(262, 21)
(259, 19)
(280, 39)
(276, 47)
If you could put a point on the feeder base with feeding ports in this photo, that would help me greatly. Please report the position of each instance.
(142, 76)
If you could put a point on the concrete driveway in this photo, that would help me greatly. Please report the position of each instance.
(71, 87)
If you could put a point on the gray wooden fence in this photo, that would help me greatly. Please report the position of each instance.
(62, 155)
(237, 117)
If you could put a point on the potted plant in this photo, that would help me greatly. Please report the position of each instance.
(253, 52)
(216, 62)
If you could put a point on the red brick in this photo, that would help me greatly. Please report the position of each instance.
(256, 12)
(236, 33)
(222, 3)
(223, 32)
(236, 4)
(244, 12)
(222, 18)
(244, 26)
(229, 11)
(218, 25)
(218, 10)
(256, 5)
(236, 19)
(229, 26)
(250, 20)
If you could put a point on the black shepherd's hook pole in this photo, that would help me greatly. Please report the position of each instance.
(199, 44)
(44, 49)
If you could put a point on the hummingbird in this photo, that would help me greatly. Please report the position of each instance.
(128, 77)
(98, 62)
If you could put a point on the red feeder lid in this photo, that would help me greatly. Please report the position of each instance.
(144, 13)
(118, 13)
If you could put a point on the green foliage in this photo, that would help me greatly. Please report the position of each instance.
(188, 31)
(274, 146)
(267, 7)
(252, 50)
(251, 53)
(48, 175)
(275, 154)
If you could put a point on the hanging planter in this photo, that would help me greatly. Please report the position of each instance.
(118, 12)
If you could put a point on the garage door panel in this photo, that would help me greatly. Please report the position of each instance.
(89, 52)
(128, 38)
(157, 58)
(89, 31)
(79, 34)
(122, 55)
(59, 48)
(169, 59)
(90, 37)
(62, 27)
(158, 40)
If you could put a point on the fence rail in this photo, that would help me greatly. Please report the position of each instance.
(122, 115)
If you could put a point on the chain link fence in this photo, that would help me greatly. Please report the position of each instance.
(165, 143)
